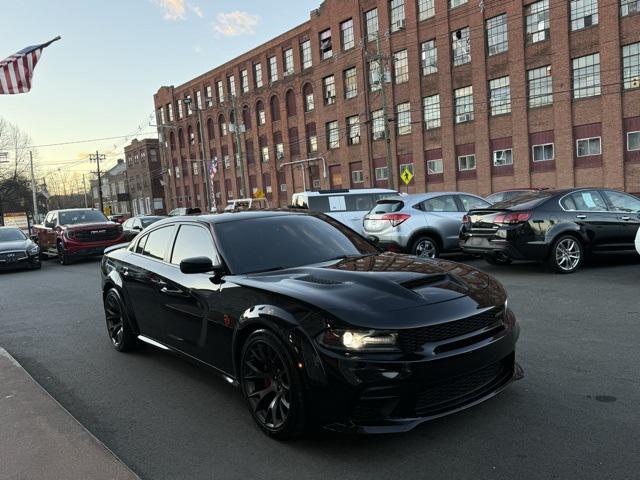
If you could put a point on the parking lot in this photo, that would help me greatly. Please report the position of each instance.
(575, 414)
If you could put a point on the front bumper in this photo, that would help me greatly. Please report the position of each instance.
(28, 261)
(491, 246)
(379, 396)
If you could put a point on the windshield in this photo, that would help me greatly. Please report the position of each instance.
(11, 235)
(149, 220)
(73, 217)
(387, 206)
(525, 201)
(272, 243)
(351, 202)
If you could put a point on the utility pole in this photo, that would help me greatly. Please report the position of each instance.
(96, 158)
(84, 187)
(187, 103)
(385, 112)
(33, 189)
(238, 159)
(130, 202)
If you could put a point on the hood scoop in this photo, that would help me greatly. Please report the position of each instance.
(318, 280)
(424, 280)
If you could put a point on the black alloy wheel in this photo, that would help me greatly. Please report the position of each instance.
(271, 386)
(118, 329)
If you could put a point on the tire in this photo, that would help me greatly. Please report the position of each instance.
(62, 258)
(269, 382)
(425, 247)
(567, 255)
(118, 327)
(498, 261)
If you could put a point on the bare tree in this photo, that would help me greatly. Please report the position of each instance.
(17, 144)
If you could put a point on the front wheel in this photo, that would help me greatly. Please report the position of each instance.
(567, 255)
(122, 337)
(271, 385)
(425, 247)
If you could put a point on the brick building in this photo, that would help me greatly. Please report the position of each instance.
(144, 174)
(482, 96)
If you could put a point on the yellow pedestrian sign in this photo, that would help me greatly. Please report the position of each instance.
(406, 176)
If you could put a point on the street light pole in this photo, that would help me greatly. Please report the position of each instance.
(187, 102)
(33, 189)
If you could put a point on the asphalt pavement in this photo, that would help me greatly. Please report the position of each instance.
(576, 415)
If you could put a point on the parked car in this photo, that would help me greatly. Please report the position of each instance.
(247, 204)
(638, 241)
(76, 233)
(558, 227)
(313, 322)
(505, 195)
(118, 218)
(185, 211)
(135, 225)
(424, 225)
(346, 206)
(17, 250)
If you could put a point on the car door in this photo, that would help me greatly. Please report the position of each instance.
(189, 302)
(127, 228)
(626, 209)
(48, 236)
(442, 213)
(589, 210)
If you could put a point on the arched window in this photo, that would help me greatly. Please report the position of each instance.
(222, 126)
(260, 115)
(192, 138)
(172, 140)
(246, 117)
(275, 109)
(291, 103)
(210, 129)
(198, 133)
(180, 138)
(307, 93)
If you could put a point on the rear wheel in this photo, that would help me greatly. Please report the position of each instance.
(122, 337)
(567, 255)
(425, 247)
(272, 386)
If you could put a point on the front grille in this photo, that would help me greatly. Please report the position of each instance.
(10, 257)
(413, 339)
(96, 235)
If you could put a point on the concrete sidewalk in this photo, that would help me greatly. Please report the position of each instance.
(39, 439)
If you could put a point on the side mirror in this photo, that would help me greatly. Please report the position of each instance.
(374, 240)
(137, 228)
(49, 225)
(197, 265)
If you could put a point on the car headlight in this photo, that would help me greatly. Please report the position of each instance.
(359, 340)
(34, 250)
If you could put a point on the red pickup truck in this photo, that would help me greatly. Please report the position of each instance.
(76, 233)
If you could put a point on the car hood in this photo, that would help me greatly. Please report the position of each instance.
(15, 245)
(380, 285)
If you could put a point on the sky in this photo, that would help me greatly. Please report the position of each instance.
(98, 81)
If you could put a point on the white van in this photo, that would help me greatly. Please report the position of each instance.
(346, 206)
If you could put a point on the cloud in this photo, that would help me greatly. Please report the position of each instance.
(235, 23)
(196, 9)
(173, 9)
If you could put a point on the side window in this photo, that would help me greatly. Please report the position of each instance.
(584, 201)
(469, 202)
(128, 224)
(140, 244)
(157, 243)
(137, 223)
(193, 241)
(622, 202)
(445, 203)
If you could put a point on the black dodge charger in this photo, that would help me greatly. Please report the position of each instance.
(313, 322)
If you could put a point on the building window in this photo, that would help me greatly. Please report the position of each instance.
(309, 104)
(375, 82)
(382, 173)
(435, 167)
(333, 135)
(502, 157)
(353, 130)
(180, 110)
(403, 118)
(456, 3)
(584, 13)
(500, 91)
(305, 53)
(198, 100)
(586, 76)
(244, 81)
(288, 61)
(231, 85)
(497, 35)
(346, 35)
(161, 116)
(401, 66)
(264, 154)
(170, 111)
(426, 9)
(273, 69)
(540, 86)
(326, 50)
(397, 15)
(586, 147)
(537, 21)
(460, 46)
(329, 90)
(377, 124)
(208, 93)
(543, 153)
(313, 143)
(350, 83)
(464, 104)
(262, 118)
(631, 65)
(257, 75)
(429, 57)
(431, 108)
(466, 162)
(357, 176)
(220, 91)
(629, 7)
(371, 24)
(633, 141)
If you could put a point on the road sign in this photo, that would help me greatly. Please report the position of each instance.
(259, 194)
(406, 176)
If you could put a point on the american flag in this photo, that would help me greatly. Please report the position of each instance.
(16, 71)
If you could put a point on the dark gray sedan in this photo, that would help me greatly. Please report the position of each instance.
(17, 250)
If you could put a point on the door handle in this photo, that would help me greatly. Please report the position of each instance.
(625, 218)
(170, 291)
(581, 217)
(125, 271)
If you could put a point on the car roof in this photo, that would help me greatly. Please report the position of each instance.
(7, 227)
(418, 197)
(233, 216)
(75, 209)
(346, 191)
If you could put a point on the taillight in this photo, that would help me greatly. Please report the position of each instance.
(396, 218)
(466, 219)
(512, 218)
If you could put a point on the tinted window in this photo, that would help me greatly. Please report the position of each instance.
(140, 245)
(525, 201)
(271, 243)
(622, 202)
(157, 242)
(73, 217)
(497, 197)
(145, 222)
(193, 241)
(11, 235)
(387, 206)
(445, 203)
(357, 202)
(469, 202)
(584, 201)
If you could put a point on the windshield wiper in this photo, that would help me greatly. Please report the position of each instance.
(272, 269)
